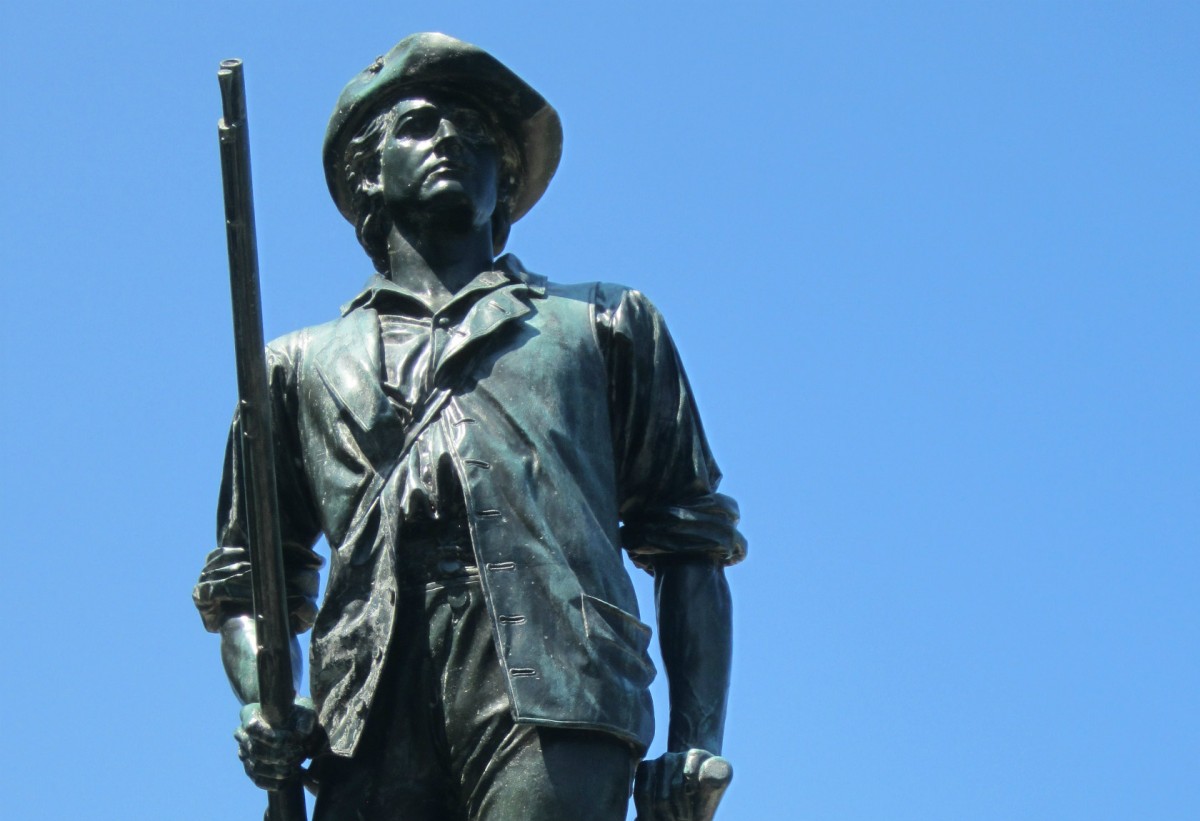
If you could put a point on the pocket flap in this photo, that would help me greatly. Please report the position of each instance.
(604, 620)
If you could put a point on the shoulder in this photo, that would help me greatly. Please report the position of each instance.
(609, 302)
(602, 298)
(622, 320)
(625, 312)
(289, 349)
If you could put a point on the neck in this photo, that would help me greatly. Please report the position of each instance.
(437, 266)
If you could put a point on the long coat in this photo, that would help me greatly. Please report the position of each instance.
(573, 433)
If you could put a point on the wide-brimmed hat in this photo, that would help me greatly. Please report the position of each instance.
(431, 61)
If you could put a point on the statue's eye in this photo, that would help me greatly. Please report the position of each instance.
(423, 124)
(417, 125)
(472, 126)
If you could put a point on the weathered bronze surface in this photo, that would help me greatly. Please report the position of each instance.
(477, 444)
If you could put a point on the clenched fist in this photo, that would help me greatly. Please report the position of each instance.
(272, 756)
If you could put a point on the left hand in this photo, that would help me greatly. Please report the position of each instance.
(668, 788)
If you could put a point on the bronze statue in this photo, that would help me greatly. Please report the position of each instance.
(477, 444)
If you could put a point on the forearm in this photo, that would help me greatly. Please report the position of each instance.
(696, 636)
(238, 654)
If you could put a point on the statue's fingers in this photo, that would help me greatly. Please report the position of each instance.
(641, 791)
(692, 763)
(646, 790)
(276, 753)
(680, 795)
(276, 770)
(673, 774)
(269, 775)
(687, 796)
(304, 721)
(268, 781)
(256, 775)
(668, 788)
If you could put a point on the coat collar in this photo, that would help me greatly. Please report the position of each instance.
(349, 360)
(507, 271)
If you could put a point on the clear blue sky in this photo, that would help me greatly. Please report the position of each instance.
(935, 272)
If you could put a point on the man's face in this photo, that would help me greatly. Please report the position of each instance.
(439, 162)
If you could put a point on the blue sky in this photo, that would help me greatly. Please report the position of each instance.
(933, 268)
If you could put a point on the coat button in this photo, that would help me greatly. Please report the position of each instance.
(450, 567)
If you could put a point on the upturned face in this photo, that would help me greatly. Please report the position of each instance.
(440, 162)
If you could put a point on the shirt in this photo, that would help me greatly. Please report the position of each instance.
(413, 341)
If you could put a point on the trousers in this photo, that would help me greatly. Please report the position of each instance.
(440, 743)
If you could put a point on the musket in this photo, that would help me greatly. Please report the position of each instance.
(255, 442)
(703, 788)
(711, 782)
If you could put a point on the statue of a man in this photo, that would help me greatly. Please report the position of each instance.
(477, 444)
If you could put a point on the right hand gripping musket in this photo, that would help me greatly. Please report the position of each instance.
(255, 441)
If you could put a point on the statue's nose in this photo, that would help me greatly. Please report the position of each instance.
(447, 130)
(447, 137)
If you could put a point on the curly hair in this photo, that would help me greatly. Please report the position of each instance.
(362, 167)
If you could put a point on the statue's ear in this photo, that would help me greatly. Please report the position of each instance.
(501, 218)
(366, 174)
(370, 185)
(500, 227)
(363, 170)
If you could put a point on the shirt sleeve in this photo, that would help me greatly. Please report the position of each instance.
(224, 588)
(667, 478)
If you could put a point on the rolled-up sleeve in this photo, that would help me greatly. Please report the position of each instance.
(666, 473)
(224, 588)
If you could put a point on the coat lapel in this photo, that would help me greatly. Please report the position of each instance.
(483, 322)
(349, 366)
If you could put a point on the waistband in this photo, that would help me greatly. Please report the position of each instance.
(434, 551)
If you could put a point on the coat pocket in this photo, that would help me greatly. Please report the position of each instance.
(620, 638)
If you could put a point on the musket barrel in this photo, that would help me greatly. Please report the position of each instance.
(233, 91)
(255, 441)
